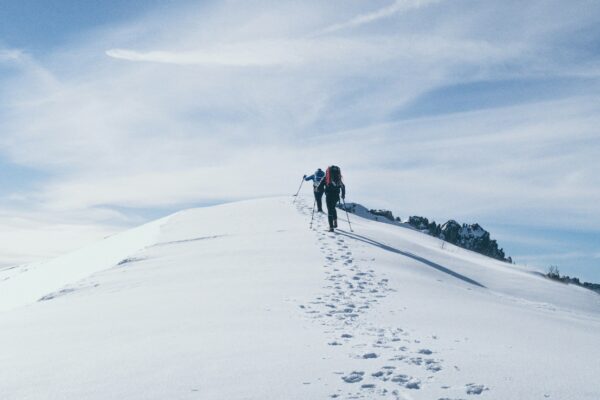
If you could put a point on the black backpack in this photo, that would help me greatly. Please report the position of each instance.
(333, 177)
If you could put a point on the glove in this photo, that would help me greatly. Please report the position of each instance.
(304, 177)
(343, 197)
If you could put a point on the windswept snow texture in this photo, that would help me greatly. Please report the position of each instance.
(244, 301)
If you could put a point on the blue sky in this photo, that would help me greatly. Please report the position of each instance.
(43, 25)
(113, 113)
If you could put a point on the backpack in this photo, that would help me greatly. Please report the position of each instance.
(333, 177)
(319, 175)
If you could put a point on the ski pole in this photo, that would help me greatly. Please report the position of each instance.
(296, 195)
(313, 213)
(347, 216)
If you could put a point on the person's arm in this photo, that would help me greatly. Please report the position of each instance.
(309, 178)
(321, 186)
(343, 191)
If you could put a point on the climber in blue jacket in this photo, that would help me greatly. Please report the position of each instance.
(317, 177)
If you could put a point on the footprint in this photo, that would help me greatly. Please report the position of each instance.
(473, 388)
(401, 378)
(367, 386)
(369, 355)
(433, 365)
(353, 377)
(413, 384)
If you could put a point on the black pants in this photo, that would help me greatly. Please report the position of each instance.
(318, 199)
(331, 201)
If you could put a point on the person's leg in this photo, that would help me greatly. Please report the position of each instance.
(319, 198)
(335, 211)
(330, 201)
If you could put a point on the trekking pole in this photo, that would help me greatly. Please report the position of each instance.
(347, 216)
(313, 213)
(296, 195)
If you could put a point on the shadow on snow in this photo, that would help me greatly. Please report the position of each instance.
(409, 255)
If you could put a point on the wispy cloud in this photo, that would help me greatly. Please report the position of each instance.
(251, 54)
(396, 7)
(10, 55)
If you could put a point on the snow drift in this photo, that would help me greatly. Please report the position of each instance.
(243, 301)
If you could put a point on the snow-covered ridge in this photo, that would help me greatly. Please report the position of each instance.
(25, 284)
(244, 301)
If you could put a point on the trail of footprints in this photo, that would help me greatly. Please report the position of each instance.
(392, 359)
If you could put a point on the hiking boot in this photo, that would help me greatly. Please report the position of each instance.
(331, 229)
(335, 223)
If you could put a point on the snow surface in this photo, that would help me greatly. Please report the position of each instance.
(244, 301)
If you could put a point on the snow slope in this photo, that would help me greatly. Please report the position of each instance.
(243, 301)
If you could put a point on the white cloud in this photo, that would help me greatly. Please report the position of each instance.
(10, 55)
(250, 54)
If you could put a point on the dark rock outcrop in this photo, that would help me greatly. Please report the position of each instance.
(468, 236)
(383, 213)
(375, 215)
(554, 274)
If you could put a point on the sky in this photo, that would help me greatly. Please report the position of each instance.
(115, 113)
